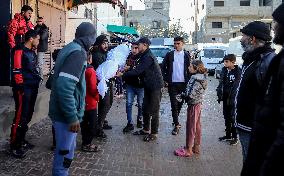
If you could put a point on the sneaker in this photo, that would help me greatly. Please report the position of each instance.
(28, 146)
(176, 130)
(234, 141)
(18, 153)
(225, 138)
(129, 127)
(101, 134)
(139, 123)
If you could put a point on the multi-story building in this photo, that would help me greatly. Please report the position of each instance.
(215, 19)
(156, 15)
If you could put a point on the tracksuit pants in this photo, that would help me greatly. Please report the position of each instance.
(193, 125)
(89, 126)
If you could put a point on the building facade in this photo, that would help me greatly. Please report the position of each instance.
(155, 17)
(216, 19)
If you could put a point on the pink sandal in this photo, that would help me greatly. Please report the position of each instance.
(182, 153)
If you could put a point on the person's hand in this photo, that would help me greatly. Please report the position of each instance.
(126, 67)
(74, 127)
(119, 74)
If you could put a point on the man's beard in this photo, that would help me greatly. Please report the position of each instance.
(26, 18)
(104, 50)
(247, 47)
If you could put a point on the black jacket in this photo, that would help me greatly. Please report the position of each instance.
(253, 73)
(167, 67)
(266, 151)
(43, 33)
(134, 81)
(98, 58)
(149, 70)
(228, 84)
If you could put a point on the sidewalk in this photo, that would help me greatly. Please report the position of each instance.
(128, 155)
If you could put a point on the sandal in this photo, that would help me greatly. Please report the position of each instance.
(181, 153)
(150, 137)
(90, 148)
(140, 132)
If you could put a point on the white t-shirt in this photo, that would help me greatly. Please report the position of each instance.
(178, 66)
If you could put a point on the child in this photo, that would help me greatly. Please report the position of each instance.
(195, 90)
(226, 92)
(89, 125)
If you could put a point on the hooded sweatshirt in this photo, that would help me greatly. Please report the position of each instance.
(195, 89)
(17, 28)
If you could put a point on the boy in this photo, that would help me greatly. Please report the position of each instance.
(89, 125)
(226, 92)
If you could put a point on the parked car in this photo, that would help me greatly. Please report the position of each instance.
(160, 52)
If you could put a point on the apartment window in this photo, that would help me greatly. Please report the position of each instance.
(219, 3)
(245, 3)
(216, 24)
(266, 2)
(202, 6)
(157, 5)
(234, 35)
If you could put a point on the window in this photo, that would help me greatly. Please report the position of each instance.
(265, 2)
(245, 3)
(157, 5)
(202, 6)
(216, 24)
(234, 35)
(218, 3)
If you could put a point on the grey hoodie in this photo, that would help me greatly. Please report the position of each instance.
(195, 89)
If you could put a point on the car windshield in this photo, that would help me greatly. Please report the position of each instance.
(214, 53)
(160, 52)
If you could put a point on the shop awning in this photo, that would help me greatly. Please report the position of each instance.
(122, 30)
(73, 3)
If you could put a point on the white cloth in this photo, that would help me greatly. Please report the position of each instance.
(178, 66)
(116, 59)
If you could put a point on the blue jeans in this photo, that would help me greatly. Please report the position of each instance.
(65, 147)
(130, 94)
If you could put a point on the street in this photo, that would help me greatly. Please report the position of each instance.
(128, 155)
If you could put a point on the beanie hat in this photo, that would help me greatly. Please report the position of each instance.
(144, 40)
(278, 14)
(257, 29)
(100, 40)
(85, 29)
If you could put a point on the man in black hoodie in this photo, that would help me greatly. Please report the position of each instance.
(42, 30)
(266, 150)
(151, 74)
(100, 51)
(257, 57)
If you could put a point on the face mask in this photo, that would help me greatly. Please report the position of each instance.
(246, 45)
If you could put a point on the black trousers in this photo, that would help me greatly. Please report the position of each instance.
(104, 106)
(151, 110)
(89, 126)
(228, 112)
(175, 89)
(25, 100)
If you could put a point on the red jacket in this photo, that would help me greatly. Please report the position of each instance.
(17, 28)
(92, 94)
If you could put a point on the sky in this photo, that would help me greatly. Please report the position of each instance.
(178, 10)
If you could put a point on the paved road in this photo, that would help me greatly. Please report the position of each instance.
(128, 155)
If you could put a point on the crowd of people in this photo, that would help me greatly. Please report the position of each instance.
(252, 96)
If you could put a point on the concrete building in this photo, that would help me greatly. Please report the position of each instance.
(215, 19)
(156, 15)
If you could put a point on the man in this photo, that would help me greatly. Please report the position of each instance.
(25, 90)
(42, 30)
(149, 70)
(134, 87)
(176, 76)
(257, 57)
(99, 56)
(67, 98)
(19, 26)
(266, 150)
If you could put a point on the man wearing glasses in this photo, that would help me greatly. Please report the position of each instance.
(176, 76)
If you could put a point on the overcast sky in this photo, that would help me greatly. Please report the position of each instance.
(178, 10)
